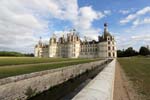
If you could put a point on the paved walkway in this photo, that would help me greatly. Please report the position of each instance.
(101, 87)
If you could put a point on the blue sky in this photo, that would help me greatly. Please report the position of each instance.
(22, 22)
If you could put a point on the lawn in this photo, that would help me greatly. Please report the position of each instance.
(29, 60)
(18, 70)
(138, 71)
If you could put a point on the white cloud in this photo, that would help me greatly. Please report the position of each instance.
(141, 22)
(134, 37)
(141, 37)
(124, 11)
(107, 12)
(136, 15)
(22, 21)
(86, 16)
(18, 26)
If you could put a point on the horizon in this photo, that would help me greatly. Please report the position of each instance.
(23, 22)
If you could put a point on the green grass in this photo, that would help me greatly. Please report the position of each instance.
(138, 71)
(16, 70)
(29, 60)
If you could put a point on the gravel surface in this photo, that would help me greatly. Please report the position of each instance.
(123, 89)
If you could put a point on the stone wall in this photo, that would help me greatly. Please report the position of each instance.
(15, 88)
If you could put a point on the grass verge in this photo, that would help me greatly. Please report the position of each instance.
(138, 71)
(13, 71)
(30, 60)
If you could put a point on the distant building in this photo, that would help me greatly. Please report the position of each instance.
(73, 47)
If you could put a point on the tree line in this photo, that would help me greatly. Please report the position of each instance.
(131, 52)
(15, 54)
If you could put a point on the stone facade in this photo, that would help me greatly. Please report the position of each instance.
(72, 47)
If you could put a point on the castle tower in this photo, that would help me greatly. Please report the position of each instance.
(53, 46)
(73, 44)
(107, 45)
(38, 48)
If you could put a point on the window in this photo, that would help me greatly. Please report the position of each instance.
(96, 49)
(109, 54)
(108, 47)
(108, 42)
(108, 38)
(112, 42)
(113, 54)
(113, 48)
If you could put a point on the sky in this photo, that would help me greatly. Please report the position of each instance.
(23, 22)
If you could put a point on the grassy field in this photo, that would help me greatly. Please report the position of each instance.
(6, 71)
(138, 70)
(29, 60)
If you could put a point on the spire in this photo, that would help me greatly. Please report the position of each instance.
(105, 27)
(106, 33)
(40, 41)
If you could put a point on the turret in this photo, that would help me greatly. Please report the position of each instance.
(53, 39)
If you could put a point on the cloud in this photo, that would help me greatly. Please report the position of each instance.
(138, 14)
(134, 37)
(86, 16)
(141, 37)
(124, 12)
(140, 22)
(18, 26)
(107, 12)
(22, 21)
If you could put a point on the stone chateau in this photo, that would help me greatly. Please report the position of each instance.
(73, 47)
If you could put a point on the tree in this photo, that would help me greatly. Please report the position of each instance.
(144, 51)
(127, 53)
(120, 53)
(130, 52)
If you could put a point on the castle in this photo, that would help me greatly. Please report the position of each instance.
(73, 47)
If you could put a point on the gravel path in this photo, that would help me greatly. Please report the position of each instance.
(122, 87)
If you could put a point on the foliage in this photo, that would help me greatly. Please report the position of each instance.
(131, 52)
(127, 53)
(15, 54)
(144, 51)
